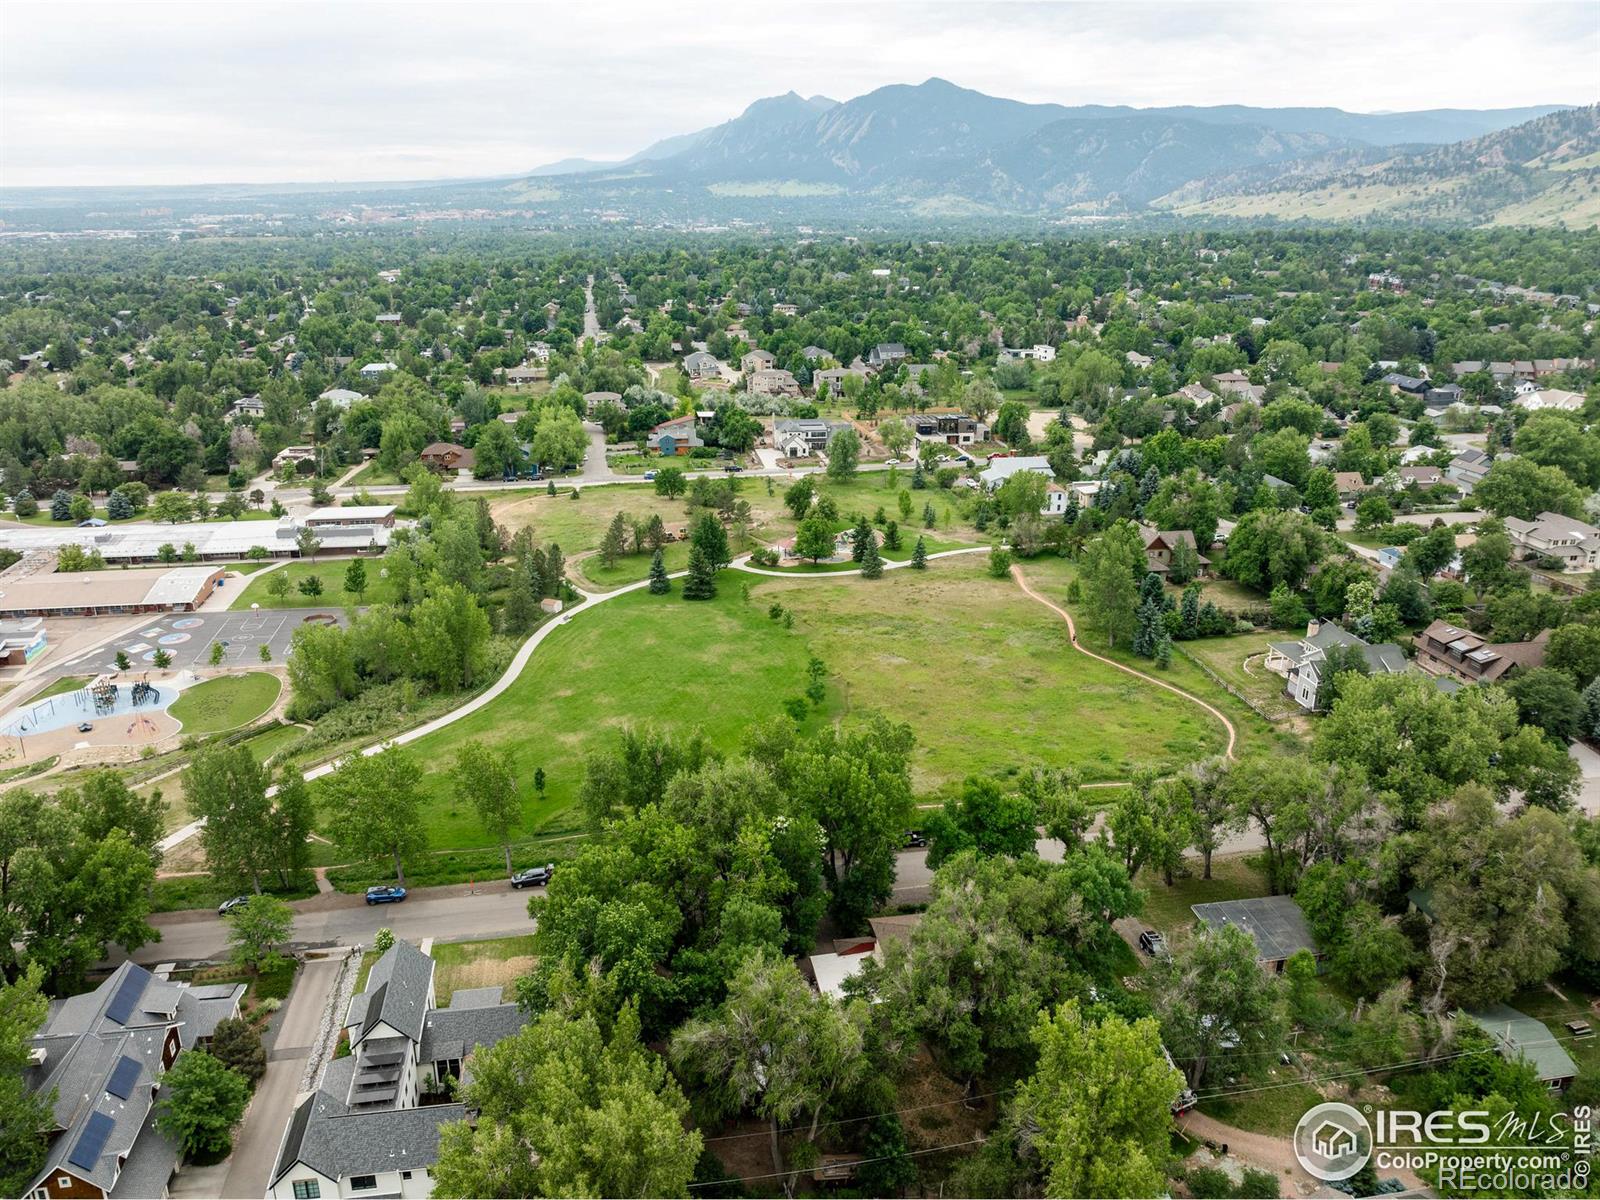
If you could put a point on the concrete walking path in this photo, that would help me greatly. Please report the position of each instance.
(1072, 633)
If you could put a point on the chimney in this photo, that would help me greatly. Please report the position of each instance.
(1313, 627)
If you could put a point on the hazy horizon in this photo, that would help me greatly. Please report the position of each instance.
(351, 92)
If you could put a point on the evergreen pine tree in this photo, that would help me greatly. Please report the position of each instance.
(660, 585)
(1150, 588)
(1149, 629)
(1191, 611)
(919, 556)
(918, 479)
(860, 538)
(1070, 516)
(615, 542)
(891, 536)
(871, 559)
(61, 505)
(118, 506)
(928, 516)
(701, 583)
(1163, 652)
(555, 567)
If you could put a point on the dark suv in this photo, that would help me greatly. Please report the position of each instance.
(533, 876)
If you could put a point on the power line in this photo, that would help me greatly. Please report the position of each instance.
(892, 1112)
(861, 1162)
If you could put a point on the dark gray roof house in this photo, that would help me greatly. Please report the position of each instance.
(371, 1127)
(103, 1053)
(1275, 923)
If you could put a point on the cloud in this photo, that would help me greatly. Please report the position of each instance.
(142, 92)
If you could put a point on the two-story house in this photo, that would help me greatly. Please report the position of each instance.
(674, 437)
(1301, 662)
(1447, 650)
(372, 1126)
(1551, 535)
(102, 1054)
(801, 437)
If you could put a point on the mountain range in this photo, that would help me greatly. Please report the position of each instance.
(938, 147)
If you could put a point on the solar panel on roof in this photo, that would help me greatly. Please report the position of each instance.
(123, 1076)
(86, 1154)
(127, 995)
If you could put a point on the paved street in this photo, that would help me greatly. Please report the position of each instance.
(256, 1144)
(595, 467)
(446, 913)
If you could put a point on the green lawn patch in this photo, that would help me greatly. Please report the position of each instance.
(1168, 908)
(227, 702)
(67, 683)
(1275, 1109)
(330, 571)
(180, 892)
(917, 646)
(495, 962)
(630, 568)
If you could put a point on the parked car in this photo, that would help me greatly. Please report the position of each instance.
(85, 727)
(893, 462)
(915, 839)
(731, 468)
(533, 876)
(227, 906)
(385, 894)
(1153, 944)
(649, 474)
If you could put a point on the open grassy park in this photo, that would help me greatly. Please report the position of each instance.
(329, 571)
(983, 673)
(228, 702)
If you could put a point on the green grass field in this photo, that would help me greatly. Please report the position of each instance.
(67, 683)
(330, 571)
(981, 672)
(491, 963)
(227, 702)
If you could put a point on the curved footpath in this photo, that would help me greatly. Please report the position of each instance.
(592, 599)
(1072, 633)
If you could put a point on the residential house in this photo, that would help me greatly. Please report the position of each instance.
(390, 321)
(1467, 469)
(377, 370)
(340, 397)
(757, 360)
(1447, 650)
(1520, 1036)
(100, 1056)
(1137, 360)
(1423, 477)
(801, 437)
(1446, 394)
(247, 406)
(594, 401)
(813, 353)
(950, 429)
(772, 382)
(1410, 385)
(830, 381)
(1159, 545)
(885, 353)
(1554, 398)
(786, 310)
(1551, 535)
(1349, 484)
(1198, 393)
(523, 376)
(1274, 923)
(1042, 352)
(447, 456)
(294, 454)
(372, 1126)
(1301, 661)
(701, 365)
(1001, 469)
(674, 437)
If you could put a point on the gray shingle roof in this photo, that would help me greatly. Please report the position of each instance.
(402, 1139)
(1522, 1036)
(397, 992)
(467, 1028)
(1275, 922)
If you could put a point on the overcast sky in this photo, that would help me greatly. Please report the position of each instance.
(138, 92)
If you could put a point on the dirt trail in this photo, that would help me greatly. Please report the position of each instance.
(1072, 633)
